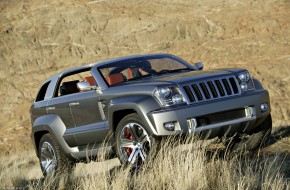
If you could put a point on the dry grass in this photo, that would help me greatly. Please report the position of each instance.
(186, 166)
(40, 38)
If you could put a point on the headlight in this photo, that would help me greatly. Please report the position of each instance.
(177, 99)
(246, 82)
(244, 77)
(244, 86)
(169, 96)
(164, 92)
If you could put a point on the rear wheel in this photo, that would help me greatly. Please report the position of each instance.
(51, 158)
(255, 140)
(133, 142)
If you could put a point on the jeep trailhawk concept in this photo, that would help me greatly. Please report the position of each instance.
(138, 99)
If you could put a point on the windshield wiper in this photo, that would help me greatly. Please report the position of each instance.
(178, 70)
(165, 71)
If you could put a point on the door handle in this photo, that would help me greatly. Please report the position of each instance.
(74, 104)
(50, 108)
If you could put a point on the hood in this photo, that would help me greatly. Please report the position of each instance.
(183, 77)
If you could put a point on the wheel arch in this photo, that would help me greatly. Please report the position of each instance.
(119, 115)
(258, 84)
(141, 105)
(53, 125)
(37, 136)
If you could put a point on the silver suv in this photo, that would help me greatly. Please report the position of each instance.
(139, 99)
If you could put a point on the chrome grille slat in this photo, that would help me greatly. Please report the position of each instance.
(201, 91)
(227, 87)
(189, 93)
(223, 86)
(209, 90)
(216, 89)
(230, 85)
(237, 84)
(206, 90)
(220, 87)
(195, 97)
(197, 92)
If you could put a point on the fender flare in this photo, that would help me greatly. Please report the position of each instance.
(140, 104)
(258, 84)
(54, 125)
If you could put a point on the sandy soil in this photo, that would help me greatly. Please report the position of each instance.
(40, 38)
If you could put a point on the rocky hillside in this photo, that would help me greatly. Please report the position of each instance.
(40, 38)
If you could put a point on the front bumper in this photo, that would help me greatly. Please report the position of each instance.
(183, 117)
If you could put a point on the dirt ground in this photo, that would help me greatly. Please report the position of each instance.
(41, 38)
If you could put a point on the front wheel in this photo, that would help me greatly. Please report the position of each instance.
(133, 142)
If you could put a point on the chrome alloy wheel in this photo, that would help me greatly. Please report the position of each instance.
(135, 143)
(48, 158)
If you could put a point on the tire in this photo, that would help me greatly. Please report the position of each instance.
(255, 140)
(51, 158)
(134, 143)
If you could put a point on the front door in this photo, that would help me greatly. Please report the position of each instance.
(86, 113)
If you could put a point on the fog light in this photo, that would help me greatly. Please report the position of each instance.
(170, 126)
(264, 107)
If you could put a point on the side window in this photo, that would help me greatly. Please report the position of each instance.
(68, 84)
(42, 92)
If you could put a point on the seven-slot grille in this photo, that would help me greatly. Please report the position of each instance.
(212, 89)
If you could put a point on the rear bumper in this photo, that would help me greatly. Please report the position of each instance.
(184, 117)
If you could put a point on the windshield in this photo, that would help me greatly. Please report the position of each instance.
(139, 68)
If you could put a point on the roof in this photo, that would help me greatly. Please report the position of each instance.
(103, 62)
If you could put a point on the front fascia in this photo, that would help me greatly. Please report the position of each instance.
(182, 114)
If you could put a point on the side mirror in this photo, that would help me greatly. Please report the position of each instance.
(198, 66)
(85, 86)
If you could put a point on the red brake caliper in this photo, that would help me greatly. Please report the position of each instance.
(128, 135)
